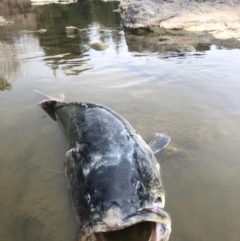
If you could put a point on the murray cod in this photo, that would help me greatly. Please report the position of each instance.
(113, 175)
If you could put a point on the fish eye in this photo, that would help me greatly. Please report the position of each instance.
(162, 229)
(139, 187)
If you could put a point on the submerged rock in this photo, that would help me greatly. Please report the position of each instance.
(4, 85)
(99, 46)
(105, 30)
(71, 30)
(171, 152)
(186, 48)
(42, 30)
(165, 40)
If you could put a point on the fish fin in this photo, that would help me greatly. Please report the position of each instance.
(50, 112)
(158, 142)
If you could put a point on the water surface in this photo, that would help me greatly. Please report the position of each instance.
(193, 97)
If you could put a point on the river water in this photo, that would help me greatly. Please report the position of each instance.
(193, 97)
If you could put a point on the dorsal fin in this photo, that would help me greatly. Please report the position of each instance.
(158, 142)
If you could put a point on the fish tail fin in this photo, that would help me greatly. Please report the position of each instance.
(51, 102)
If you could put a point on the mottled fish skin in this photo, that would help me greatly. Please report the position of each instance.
(112, 173)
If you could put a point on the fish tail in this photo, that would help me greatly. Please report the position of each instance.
(50, 102)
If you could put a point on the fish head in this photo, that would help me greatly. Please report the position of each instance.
(123, 196)
(145, 225)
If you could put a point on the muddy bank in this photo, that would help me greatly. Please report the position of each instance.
(215, 21)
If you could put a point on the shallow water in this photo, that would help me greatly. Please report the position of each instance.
(194, 98)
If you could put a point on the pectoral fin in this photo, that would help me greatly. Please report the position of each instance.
(158, 142)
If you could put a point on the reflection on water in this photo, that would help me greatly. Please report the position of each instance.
(9, 62)
(10, 8)
(167, 46)
(176, 85)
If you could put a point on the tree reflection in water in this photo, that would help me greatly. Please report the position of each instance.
(61, 52)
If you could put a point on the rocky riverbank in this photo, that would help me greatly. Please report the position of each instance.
(212, 21)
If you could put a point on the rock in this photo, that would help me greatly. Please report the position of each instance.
(105, 30)
(140, 14)
(99, 46)
(165, 40)
(42, 30)
(221, 19)
(3, 21)
(174, 152)
(186, 48)
(71, 30)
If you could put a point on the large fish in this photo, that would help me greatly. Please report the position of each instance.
(113, 175)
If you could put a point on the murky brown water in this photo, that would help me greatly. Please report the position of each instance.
(195, 98)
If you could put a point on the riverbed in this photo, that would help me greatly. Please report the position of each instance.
(192, 96)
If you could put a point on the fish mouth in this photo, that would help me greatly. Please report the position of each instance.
(153, 224)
